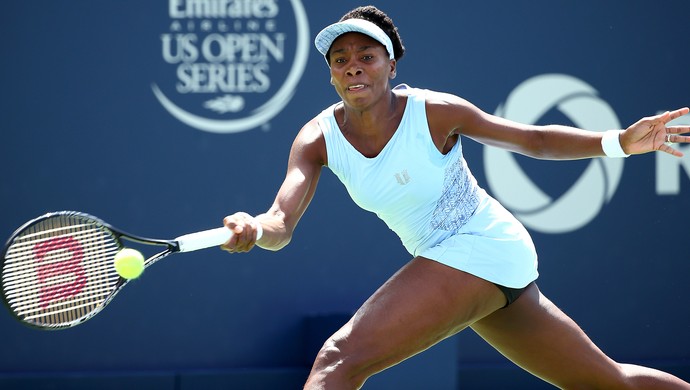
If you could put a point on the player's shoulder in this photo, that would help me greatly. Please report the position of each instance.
(447, 112)
(432, 98)
(316, 128)
(310, 142)
(439, 98)
(311, 131)
(446, 105)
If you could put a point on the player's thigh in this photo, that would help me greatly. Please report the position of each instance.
(421, 304)
(539, 337)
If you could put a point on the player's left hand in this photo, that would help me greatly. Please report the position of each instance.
(652, 133)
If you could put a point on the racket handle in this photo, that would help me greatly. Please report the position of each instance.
(208, 238)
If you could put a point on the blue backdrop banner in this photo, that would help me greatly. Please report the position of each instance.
(162, 117)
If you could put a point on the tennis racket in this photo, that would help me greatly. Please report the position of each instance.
(57, 269)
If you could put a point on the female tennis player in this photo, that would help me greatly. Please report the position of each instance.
(398, 152)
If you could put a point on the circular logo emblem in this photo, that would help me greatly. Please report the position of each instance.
(234, 64)
(582, 202)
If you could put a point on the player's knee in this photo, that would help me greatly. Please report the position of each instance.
(338, 367)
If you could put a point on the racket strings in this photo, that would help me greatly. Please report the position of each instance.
(59, 270)
(22, 253)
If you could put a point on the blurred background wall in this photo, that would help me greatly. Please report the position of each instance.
(161, 117)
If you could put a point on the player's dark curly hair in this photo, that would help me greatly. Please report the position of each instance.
(382, 20)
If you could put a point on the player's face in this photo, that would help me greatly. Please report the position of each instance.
(360, 69)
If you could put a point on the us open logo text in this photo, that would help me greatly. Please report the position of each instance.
(231, 66)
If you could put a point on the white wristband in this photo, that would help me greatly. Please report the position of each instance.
(259, 229)
(611, 144)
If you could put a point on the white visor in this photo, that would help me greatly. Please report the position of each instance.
(325, 38)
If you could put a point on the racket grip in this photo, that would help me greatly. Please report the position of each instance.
(202, 240)
(208, 238)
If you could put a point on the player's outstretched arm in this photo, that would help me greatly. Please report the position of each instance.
(307, 156)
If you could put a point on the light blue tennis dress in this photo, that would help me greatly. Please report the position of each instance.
(431, 200)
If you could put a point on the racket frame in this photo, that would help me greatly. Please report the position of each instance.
(118, 235)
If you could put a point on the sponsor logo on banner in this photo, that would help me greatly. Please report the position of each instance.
(231, 65)
(595, 187)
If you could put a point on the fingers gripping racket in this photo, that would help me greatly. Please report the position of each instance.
(57, 270)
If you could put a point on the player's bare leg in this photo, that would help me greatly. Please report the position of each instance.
(420, 305)
(539, 337)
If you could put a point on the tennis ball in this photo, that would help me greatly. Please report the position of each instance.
(129, 263)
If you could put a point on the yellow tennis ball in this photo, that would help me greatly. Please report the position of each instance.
(129, 263)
